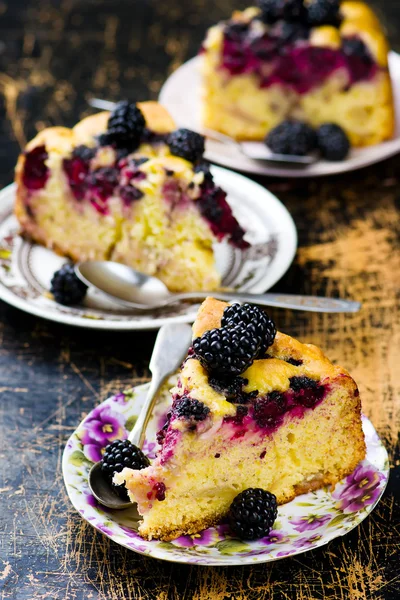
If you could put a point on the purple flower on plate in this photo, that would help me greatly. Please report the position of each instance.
(102, 427)
(306, 542)
(310, 522)
(149, 448)
(119, 398)
(275, 537)
(130, 532)
(360, 489)
(105, 529)
(204, 538)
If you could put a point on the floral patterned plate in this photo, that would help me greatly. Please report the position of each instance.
(309, 521)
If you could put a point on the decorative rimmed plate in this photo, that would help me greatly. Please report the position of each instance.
(309, 521)
(180, 94)
(26, 269)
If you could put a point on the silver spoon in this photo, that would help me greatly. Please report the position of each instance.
(253, 150)
(170, 349)
(133, 289)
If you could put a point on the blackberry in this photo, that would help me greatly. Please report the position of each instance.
(84, 153)
(232, 389)
(227, 351)
(190, 408)
(125, 126)
(118, 455)
(66, 287)
(300, 383)
(324, 12)
(250, 315)
(333, 142)
(268, 410)
(187, 144)
(291, 137)
(252, 514)
(288, 10)
(354, 46)
(294, 362)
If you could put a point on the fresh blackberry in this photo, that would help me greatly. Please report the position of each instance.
(291, 137)
(227, 351)
(125, 126)
(324, 12)
(232, 389)
(300, 383)
(354, 46)
(187, 144)
(286, 32)
(84, 152)
(333, 142)
(288, 10)
(190, 408)
(66, 287)
(250, 315)
(118, 455)
(253, 513)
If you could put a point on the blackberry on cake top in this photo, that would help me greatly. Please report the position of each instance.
(125, 126)
(324, 12)
(288, 10)
(187, 144)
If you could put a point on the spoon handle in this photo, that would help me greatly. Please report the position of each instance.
(294, 302)
(170, 348)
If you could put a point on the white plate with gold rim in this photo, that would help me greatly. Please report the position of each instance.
(180, 94)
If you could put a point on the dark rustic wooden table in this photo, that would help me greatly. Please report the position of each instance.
(53, 55)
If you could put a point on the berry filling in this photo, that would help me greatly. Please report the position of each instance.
(35, 172)
(215, 209)
(282, 56)
(268, 411)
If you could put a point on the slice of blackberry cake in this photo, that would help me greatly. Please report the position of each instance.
(127, 187)
(252, 409)
(318, 61)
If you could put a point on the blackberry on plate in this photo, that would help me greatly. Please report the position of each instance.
(288, 10)
(66, 287)
(250, 315)
(324, 12)
(118, 455)
(291, 137)
(186, 144)
(333, 142)
(228, 351)
(252, 514)
(191, 408)
(125, 126)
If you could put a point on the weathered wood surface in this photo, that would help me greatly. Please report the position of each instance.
(53, 55)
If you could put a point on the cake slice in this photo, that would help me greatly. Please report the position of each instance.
(321, 61)
(250, 410)
(127, 187)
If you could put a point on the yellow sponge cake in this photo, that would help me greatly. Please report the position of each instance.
(252, 409)
(128, 187)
